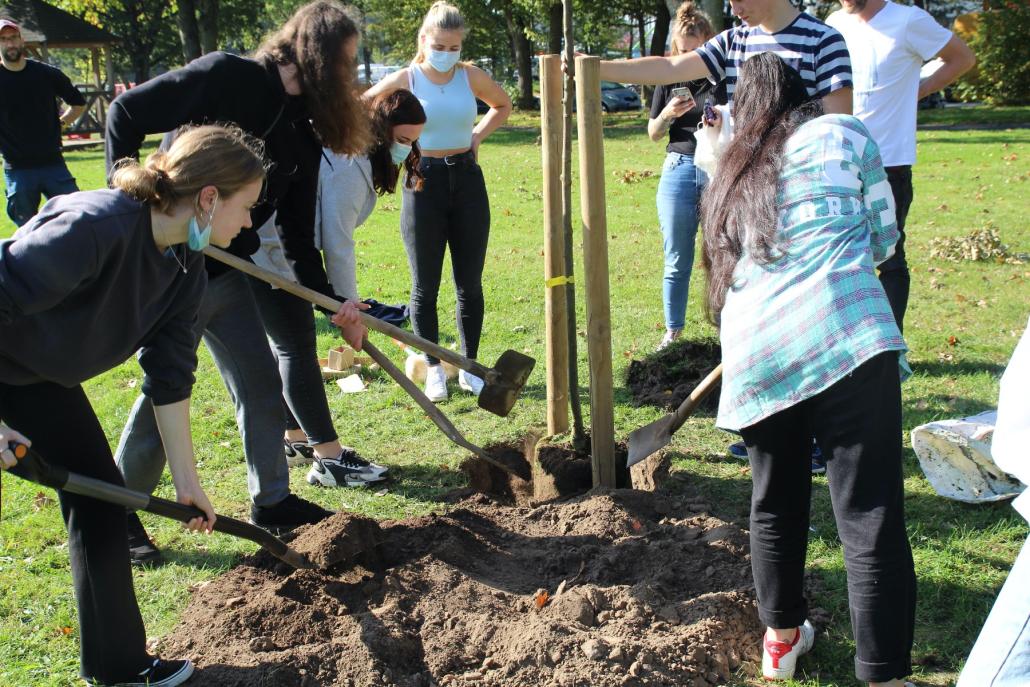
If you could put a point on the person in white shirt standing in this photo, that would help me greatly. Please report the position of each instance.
(889, 43)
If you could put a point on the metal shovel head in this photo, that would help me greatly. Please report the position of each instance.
(648, 439)
(501, 391)
(960, 467)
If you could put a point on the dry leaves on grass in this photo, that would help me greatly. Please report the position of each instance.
(980, 245)
(632, 176)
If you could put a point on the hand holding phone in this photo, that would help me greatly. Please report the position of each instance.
(710, 114)
(684, 92)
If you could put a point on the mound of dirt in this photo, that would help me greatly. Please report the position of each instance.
(612, 588)
(665, 378)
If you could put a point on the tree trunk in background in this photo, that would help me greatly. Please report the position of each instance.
(714, 10)
(523, 56)
(641, 31)
(186, 18)
(207, 23)
(554, 28)
(658, 40)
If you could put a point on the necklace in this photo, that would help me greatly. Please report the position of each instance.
(171, 249)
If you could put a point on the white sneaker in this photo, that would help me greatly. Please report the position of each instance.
(436, 383)
(469, 382)
(779, 659)
(670, 336)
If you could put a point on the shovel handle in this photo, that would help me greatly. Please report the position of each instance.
(329, 303)
(691, 402)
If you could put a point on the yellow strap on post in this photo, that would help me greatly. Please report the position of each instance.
(558, 281)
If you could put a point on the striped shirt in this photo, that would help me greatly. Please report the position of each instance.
(815, 50)
(792, 328)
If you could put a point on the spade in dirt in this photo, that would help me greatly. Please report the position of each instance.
(33, 467)
(650, 438)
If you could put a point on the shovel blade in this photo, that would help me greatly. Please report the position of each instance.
(501, 391)
(648, 439)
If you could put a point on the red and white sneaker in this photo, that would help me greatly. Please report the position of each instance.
(780, 658)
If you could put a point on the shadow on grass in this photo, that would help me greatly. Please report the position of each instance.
(932, 368)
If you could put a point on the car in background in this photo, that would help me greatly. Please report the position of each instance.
(615, 97)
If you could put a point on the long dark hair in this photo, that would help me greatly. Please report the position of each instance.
(738, 209)
(313, 40)
(387, 110)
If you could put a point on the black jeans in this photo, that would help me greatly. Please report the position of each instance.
(857, 422)
(894, 271)
(452, 210)
(290, 325)
(64, 430)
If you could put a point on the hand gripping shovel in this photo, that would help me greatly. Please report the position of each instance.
(650, 438)
(502, 383)
(33, 467)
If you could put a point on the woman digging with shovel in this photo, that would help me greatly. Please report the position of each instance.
(93, 278)
(796, 218)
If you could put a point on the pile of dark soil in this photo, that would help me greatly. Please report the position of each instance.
(665, 378)
(612, 588)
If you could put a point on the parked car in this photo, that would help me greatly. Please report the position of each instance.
(615, 97)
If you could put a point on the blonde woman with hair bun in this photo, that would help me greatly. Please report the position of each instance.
(92, 279)
(452, 209)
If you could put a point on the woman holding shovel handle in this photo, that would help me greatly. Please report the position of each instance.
(118, 265)
(796, 217)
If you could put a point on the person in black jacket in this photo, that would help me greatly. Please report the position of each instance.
(302, 77)
(118, 265)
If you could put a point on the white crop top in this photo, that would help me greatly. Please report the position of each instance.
(450, 109)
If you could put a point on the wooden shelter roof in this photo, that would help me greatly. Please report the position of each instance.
(42, 23)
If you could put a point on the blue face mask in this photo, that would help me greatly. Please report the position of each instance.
(399, 152)
(198, 239)
(442, 60)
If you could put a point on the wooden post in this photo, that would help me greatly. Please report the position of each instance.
(595, 268)
(555, 279)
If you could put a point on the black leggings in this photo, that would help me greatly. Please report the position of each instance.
(64, 430)
(857, 422)
(452, 209)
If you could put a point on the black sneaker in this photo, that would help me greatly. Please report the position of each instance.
(818, 462)
(345, 470)
(289, 513)
(298, 452)
(158, 674)
(142, 552)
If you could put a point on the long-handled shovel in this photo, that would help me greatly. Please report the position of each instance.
(650, 438)
(502, 383)
(33, 467)
(434, 413)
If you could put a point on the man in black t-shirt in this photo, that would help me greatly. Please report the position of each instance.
(30, 126)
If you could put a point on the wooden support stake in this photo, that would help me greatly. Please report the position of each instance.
(554, 247)
(595, 268)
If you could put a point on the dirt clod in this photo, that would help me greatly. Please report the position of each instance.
(449, 600)
(665, 378)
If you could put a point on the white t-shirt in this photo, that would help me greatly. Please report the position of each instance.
(886, 54)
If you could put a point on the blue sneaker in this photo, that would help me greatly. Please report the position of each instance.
(738, 450)
(818, 462)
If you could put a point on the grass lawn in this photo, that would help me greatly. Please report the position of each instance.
(965, 179)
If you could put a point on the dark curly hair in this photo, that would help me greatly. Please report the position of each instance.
(387, 111)
(313, 40)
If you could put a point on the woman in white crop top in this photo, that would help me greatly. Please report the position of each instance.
(452, 209)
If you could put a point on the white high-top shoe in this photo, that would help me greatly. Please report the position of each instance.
(436, 383)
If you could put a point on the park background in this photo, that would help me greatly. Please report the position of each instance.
(964, 320)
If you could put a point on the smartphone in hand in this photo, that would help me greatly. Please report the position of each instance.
(684, 92)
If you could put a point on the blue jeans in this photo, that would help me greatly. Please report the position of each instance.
(679, 196)
(231, 327)
(26, 187)
(1001, 655)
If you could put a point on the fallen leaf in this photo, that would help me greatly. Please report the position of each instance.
(953, 341)
(41, 500)
(636, 525)
(541, 599)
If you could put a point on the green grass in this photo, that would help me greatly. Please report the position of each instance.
(964, 180)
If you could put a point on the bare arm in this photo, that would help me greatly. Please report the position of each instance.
(655, 70)
(391, 82)
(69, 116)
(958, 59)
(173, 422)
(490, 92)
(658, 127)
(838, 102)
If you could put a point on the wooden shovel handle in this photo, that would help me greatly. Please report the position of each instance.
(691, 402)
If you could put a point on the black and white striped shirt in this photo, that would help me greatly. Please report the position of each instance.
(815, 50)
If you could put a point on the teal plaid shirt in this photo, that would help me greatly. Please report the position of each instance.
(792, 328)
